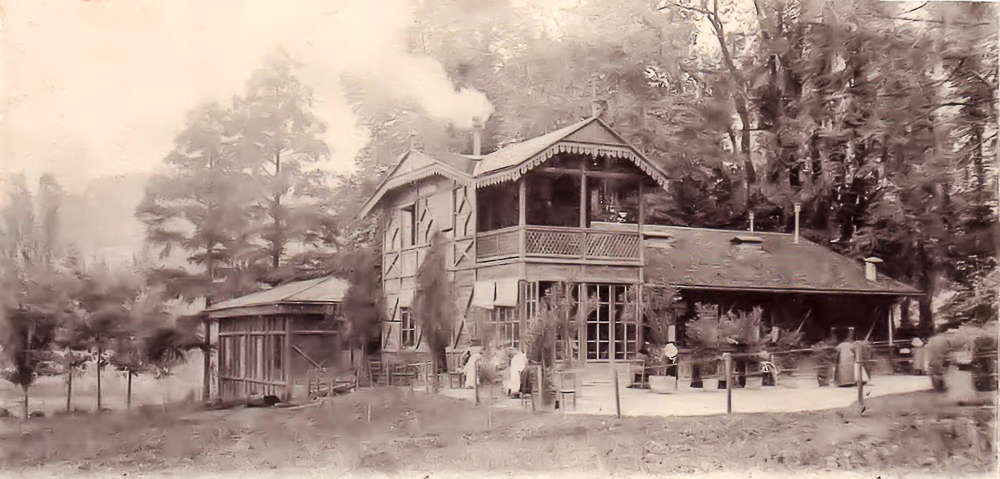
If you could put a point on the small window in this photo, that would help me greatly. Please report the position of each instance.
(410, 225)
(407, 328)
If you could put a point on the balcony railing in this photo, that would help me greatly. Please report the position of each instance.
(558, 242)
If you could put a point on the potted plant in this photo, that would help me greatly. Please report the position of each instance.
(705, 337)
(659, 306)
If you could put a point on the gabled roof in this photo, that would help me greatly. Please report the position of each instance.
(327, 290)
(591, 136)
(696, 258)
(414, 166)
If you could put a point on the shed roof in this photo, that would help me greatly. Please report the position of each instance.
(696, 258)
(325, 290)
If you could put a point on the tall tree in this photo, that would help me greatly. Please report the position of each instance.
(33, 299)
(434, 305)
(282, 140)
(364, 307)
(198, 205)
(50, 199)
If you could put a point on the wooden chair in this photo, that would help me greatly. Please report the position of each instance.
(527, 389)
(455, 371)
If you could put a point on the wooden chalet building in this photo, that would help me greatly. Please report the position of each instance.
(570, 206)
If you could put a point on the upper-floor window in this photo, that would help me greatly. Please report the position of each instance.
(497, 206)
(409, 225)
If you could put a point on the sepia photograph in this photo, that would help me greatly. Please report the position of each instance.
(717, 239)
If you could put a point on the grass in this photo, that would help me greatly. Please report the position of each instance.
(415, 431)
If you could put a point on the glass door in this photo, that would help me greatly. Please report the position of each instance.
(608, 331)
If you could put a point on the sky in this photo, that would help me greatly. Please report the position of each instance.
(98, 88)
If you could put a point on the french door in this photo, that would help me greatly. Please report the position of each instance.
(610, 332)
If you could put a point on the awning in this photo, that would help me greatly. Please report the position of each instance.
(406, 298)
(483, 294)
(507, 293)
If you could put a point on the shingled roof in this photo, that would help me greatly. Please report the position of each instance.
(327, 290)
(695, 258)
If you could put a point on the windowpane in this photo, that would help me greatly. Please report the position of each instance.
(506, 326)
(613, 200)
(553, 200)
(497, 206)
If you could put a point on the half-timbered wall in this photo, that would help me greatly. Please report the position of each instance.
(414, 214)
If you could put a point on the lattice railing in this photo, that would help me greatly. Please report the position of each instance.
(497, 244)
(545, 241)
(613, 245)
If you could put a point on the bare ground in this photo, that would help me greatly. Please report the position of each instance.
(409, 431)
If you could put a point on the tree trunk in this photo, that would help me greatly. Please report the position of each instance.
(434, 374)
(128, 390)
(99, 354)
(24, 387)
(69, 387)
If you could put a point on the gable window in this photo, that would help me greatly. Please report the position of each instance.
(407, 328)
(409, 225)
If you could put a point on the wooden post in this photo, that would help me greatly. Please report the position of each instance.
(892, 344)
(858, 368)
(618, 398)
(522, 215)
(475, 382)
(286, 359)
(206, 360)
(583, 212)
(728, 359)
(489, 409)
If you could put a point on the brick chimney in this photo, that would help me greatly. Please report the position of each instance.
(477, 136)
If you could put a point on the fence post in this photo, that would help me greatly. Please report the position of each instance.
(728, 360)
(618, 399)
(475, 383)
(774, 368)
(858, 369)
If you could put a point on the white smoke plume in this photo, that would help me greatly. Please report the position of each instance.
(100, 88)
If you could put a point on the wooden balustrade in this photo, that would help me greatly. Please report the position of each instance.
(558, 242)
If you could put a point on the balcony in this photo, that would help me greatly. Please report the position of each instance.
(619, 244)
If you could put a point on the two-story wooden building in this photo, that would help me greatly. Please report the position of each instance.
(570, 206)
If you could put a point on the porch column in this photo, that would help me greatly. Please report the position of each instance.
(522, 214)
(583, 212)
(640, 340)
(286, 359)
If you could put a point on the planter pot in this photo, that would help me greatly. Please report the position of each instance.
(710, 384)
(755, 382)
(663, 384)
(684, 385)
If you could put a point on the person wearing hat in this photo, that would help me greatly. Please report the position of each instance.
(670, 353)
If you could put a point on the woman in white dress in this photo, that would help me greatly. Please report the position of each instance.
(472, 370)
(517, 364)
